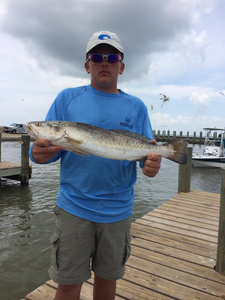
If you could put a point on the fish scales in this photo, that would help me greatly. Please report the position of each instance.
(85, 139)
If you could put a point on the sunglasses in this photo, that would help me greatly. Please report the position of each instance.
(98, 57)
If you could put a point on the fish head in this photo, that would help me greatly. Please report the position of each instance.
(49, 130)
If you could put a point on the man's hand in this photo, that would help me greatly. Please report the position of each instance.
(152, 165)
(42, 151)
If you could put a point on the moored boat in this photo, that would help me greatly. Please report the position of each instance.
(213, 155)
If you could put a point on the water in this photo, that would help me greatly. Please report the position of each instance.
(27, 218)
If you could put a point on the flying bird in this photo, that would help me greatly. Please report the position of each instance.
(164, 99)
(152, 107)
(22, 99)
(222, 93)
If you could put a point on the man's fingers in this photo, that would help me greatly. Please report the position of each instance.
(42, 150)
(41, 143)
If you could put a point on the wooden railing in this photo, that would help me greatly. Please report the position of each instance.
(167, 136)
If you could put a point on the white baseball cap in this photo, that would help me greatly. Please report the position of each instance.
(104, 37)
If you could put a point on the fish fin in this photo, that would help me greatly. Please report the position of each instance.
(132, 135)
(73, 148)
(180, 150)
(75, 151)
(72, 141)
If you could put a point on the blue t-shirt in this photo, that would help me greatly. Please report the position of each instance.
(94, 188)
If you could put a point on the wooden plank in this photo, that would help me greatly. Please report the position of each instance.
(138, 236)
(195, 195)
(174, 213)
(175, 236)
(9, 169)
(181, 231)
(182, 220)
(195, 203)
(177, 210)
(190, 209)
(132, 291)
(180, 225)
(166, 287)
(43, 292)
(205, 207)
(178, 264)
(202, 193)
(178, 276)
(4, 165)
(177, 253)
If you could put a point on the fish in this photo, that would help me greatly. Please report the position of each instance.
(84, 139)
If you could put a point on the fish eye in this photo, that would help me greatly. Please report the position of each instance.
(38, 124)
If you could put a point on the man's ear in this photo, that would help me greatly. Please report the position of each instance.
(122, 68)
(86, 65)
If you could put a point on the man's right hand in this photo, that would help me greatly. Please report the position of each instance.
(42, 151)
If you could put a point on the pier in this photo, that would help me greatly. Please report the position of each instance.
(167, 136)
(20, 172)
(178, 250)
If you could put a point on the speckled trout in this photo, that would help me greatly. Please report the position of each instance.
(84, 139)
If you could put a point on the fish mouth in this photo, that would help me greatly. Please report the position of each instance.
(30, 131)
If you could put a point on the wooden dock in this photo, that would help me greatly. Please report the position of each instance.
(174, 249)
(21, 172)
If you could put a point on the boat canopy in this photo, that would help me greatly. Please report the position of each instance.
(223, 129)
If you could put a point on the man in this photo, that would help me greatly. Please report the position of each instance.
(95, 199)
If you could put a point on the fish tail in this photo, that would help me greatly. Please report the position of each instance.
(179, 148)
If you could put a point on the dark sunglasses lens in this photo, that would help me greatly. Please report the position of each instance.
(113, 58)
(96, 57)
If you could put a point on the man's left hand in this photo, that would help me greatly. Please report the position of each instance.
(152, 165)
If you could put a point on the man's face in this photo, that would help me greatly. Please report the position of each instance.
(104, 75)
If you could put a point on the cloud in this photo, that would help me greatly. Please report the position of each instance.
(56, 32)
(199, 99)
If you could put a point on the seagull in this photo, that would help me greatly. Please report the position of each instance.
(164, 99)
(152, 107)
(222, 93)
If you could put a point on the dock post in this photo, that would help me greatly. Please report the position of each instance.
(220, 262)
(168, 136)
(174, 135)
(184, 177)
(25, 170)
(0, 147)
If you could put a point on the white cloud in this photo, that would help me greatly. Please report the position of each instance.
(198, 99)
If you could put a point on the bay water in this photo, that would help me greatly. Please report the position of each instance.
(27, 218)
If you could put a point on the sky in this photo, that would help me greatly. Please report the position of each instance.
(171, 47)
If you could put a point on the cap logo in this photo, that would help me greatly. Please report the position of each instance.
(104, 37)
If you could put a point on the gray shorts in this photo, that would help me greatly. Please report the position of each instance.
(79, 245)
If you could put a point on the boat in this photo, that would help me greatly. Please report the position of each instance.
(213, 155)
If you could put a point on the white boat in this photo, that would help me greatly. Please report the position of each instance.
(213, 155)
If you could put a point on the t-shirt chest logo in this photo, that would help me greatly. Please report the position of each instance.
(126, 123)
